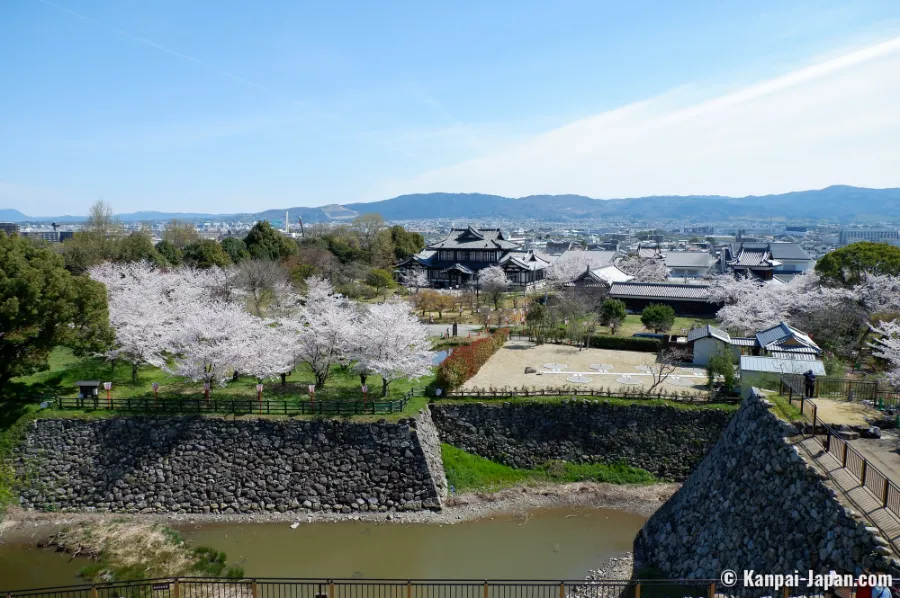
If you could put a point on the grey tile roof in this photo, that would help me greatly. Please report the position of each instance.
(661, 290)
(738, 341)
(472, 238)
(525, 260)
(784, 337)
(794, 355)
(689, 259)
(779, 251)
(707, 331)
(772, 365)
(752, 257)
(594, 258)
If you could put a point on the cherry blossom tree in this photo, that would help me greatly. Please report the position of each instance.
(327, 331)
(566, 270)
(493, 283)
(644, 269)
(392, 343)
(141, 313)
(887, 347)
(414, 279)
(210, 342)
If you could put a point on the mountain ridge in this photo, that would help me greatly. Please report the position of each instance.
(842, 203)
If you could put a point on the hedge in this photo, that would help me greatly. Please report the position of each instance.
(625, 343)
(465, 361)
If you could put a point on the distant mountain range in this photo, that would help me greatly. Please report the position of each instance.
(837, 203)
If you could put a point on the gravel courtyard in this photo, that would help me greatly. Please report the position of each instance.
(612, 369)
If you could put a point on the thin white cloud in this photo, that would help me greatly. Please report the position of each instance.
(835, 122)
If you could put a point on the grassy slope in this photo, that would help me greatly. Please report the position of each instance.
(466, 471)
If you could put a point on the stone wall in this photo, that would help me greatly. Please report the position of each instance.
(754, 503)
(201, 465)
(667, 441)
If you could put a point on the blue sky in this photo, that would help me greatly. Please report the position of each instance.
(231, 105)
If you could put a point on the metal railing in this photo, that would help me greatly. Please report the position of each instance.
(870, 477)
(840, 388)
(193, 587)
(237, 405)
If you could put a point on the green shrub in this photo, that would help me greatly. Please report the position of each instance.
(625, 343)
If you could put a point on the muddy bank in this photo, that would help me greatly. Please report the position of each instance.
(639, 500)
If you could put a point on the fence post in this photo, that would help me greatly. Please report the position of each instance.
(253, 589)
(862, 473)
(330, 588)
(93, 591)
(712, 590)
(485, 589)
(785, 593)
(844, 456)
(637, 590)
(562, 589)
(884, 492)
(176, 592)
(408, 588)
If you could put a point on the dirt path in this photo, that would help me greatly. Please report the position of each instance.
(844, 412)
(639, 500)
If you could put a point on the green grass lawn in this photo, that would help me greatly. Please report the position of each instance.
(633, 324)
(466, 472)
(66, 369)
(783, 408)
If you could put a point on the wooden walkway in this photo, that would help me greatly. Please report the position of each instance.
(850, 492)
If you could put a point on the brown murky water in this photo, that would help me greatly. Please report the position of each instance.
(545, 544)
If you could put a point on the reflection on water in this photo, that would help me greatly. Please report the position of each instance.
(545, 544)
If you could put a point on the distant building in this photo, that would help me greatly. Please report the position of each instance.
(455, 260)
(599, 278)
(10, 228)
(685, 299)
(878, 235)
(764, 260)
(689, 264)
(52, 236)
(558, 247)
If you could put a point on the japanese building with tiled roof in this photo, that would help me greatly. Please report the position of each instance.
(455, 260)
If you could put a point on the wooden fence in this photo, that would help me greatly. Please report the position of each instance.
(237, 406)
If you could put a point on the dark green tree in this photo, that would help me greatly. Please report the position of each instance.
(236, 249)
(43, 305)
(205, 253)
(406, 243)
(612, 313)
(137, 247)
(721, 364)
(658, 317)
(850, 265)
(264, 242)
(169, 253)
(380, 279)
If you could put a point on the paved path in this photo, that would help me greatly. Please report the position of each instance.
(461, 329)
(857, 497)
(883, 453)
